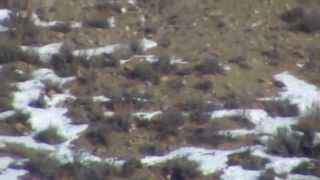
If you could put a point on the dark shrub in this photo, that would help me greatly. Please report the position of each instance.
(205, 85)
(136, 47)
(97, 23)
(308, 168)
(293, 15)
(11, 53)
(65, 64)
(210, 66)
(205, 136)
(5, 95)
(193, 103)
(49, 136)
(61, 27)
(310, 121)
(144, 72)
(98, 135)
(181, 169)
(18, 117)
(40, 162)
(284, 143)
(168, 123)
(299, 20)
(89, 170)
(39, 103)
(247, 161)
(131, 166)
(163, 65)
(268, 174)
(151, 150)
(282, 108)
(120, 122)
(175, 83)
(199, 116)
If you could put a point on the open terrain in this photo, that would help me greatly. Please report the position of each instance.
(159, 89)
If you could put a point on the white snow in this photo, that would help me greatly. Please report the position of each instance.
(147, 115)
(46, 52)
(4, 16)
(97, 51)
(101, 99)
(148, 44)
(238, 173)
(298, 91)
(6, 114)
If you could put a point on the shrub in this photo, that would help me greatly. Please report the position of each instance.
(131, 166)
(175, 83)
(89, 170)
(151, 149)
(282, 108)
(247, 160)
(18, 117)
(97, 23)
(163, 65)
(144, 72)
(268, 174)
(5, 96)
(309, 122)
(65, 64)
(168, 123)
(50, 136)
(193, 103)
(199, 116)
(60, 27)
(40, 162)
(308, 168)
(285, 143)
(205, 136)
(120, 122)
(98, 135)
(300, 20)
(39, 103)
(204, 85)
(181, 168)
(210, 66)
(11, 53)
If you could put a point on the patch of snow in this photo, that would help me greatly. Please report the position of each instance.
(101, 99)
(97, 51)
(301, 177)
(112, 22)
(46, 52)
(238, 173)
(147, 115)
(298, 91)
(148, 44)
(12, 174)
(7, 114)
(5, 15)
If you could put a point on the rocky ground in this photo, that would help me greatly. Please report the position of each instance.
(159, 89)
